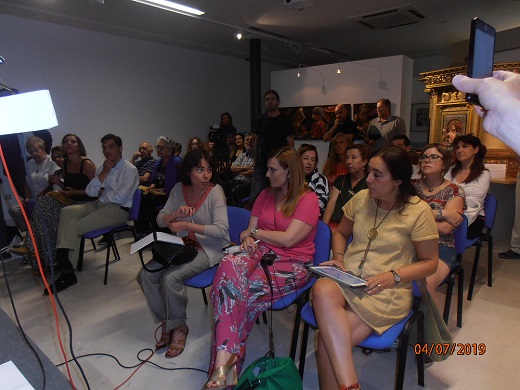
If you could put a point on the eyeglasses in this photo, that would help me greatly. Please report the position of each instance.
(432, 157)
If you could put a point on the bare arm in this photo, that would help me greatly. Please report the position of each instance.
(454, 205)
(331, 204)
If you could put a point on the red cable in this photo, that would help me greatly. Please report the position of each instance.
(51, 295)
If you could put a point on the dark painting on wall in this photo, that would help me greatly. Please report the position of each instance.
(363, 114)
(312, 122)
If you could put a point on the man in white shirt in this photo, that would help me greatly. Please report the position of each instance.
(114, 184)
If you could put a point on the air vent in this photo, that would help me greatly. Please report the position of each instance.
(391, 18)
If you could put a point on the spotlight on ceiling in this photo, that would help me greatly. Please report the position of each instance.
(239, 35)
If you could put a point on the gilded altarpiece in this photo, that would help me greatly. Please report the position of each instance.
(450, 115)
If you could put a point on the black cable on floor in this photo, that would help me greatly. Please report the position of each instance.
(18, 320)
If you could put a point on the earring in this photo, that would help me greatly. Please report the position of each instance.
(396, 191)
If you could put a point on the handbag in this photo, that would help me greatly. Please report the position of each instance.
(169, 254)
(270, 372)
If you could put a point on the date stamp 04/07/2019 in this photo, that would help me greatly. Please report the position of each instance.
(463, 349)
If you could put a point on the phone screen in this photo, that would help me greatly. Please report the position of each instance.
(481, 53)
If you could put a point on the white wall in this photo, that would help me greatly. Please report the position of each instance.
(139, 90)
(359, 82)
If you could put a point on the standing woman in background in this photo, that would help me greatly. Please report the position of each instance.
(471, 175)
(336, 164)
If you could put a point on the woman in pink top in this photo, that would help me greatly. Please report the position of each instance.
(282, 226)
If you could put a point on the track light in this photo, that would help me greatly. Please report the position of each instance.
(298, 75)
(239, 35)
(171, 6)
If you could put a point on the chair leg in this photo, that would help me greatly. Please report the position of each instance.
(449, 294)
(303, 348)
(264, 317)
(204, 297)
(490, 261)
(93, 244)
(80, 258)
(296, 330)
(420, 357)
(460, 299)
(110, 244)
(474, 271)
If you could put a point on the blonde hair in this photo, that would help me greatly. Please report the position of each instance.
(333, 157)
(296, 184)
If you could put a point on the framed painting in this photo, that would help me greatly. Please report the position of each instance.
(453, 125)
(420, 121)
(363, 114)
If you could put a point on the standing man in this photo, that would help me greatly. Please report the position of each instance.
(144, 162)
(342, 124)
(273, 130)
(115, 183)
(383, 128)
(514, 251)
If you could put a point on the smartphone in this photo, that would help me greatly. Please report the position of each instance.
(481, 53)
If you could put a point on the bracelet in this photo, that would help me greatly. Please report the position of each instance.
(439, 215)
(338, 253)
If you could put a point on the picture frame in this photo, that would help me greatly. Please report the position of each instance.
(453, 125)
(420, 120)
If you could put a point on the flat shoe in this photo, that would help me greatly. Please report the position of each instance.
(176, 346)
(21, 250)
(510, 254)
(64, 281)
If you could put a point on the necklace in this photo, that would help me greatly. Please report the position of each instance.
(431, 188)
(372, 234)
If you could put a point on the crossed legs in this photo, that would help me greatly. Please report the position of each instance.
(340, 329)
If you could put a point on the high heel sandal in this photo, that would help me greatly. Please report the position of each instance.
(166, 336)
(176, 346)
(355, 386)
(223, 376)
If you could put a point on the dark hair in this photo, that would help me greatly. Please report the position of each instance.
(192, 160)
(306, 148)
(400, 167)
(477, 167)
(386, 102)
(227, 114)
(116, 139)
(272, 91)
(364, 151)
(446, 155)
(177, 148)
(404, 137)
(82, 150)
(57, 149)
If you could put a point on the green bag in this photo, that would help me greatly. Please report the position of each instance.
(268, 373)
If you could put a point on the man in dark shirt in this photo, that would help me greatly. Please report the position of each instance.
(144, 162)
(342, 124)
(273, 130)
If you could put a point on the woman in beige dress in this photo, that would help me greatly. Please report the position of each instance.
(394, 242)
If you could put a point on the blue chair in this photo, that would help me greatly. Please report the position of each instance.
(322, 243)
(109, 232)
(238, 222)
(375, 341)
(461, 234)
(490, 211)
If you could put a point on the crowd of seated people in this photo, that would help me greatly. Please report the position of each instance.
(187, 196)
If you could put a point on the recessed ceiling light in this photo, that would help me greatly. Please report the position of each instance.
(171, 6)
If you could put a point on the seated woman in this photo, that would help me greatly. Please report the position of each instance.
(194, 143)
(237, 148)
(239, 187)
(336, 161)
(394, 242)
(318, 182)
(283, 221)
(346, 186)
(471, 175)
(164, 177)
(196, 210)
(72, 180)
(446, 200)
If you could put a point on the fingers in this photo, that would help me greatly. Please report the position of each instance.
(465, 84)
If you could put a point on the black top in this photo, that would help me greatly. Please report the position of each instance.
(77, 181)
(344, 184)
(272, 133)
(348, 127)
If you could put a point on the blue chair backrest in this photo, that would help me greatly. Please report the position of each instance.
(133, 214)
(490, 210)
(322, 243)
(460, 236)
(238, 221)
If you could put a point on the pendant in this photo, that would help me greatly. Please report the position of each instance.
(372, 234)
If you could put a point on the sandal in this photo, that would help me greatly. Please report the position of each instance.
(223, 376)
(176, 346)
(166, 336)
(355, 386)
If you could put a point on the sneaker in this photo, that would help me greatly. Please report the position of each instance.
(510, 254)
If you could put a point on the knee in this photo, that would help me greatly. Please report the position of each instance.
(325, 292)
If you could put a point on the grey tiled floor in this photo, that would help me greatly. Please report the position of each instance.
(114, 319)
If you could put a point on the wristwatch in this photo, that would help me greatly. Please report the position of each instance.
(253, 232)
(397, 278)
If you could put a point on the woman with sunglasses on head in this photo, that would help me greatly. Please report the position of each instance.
(281, 229)
(447, 202)
(346, 186)
(394, 241)
(238, 147)
(470, 174)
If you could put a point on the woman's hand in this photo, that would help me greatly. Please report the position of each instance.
(248, 245)
(183, 211)
(380, 282)
(55, 179)
(335, 263)
(453, 217)
(177, 226)
(68, 191)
